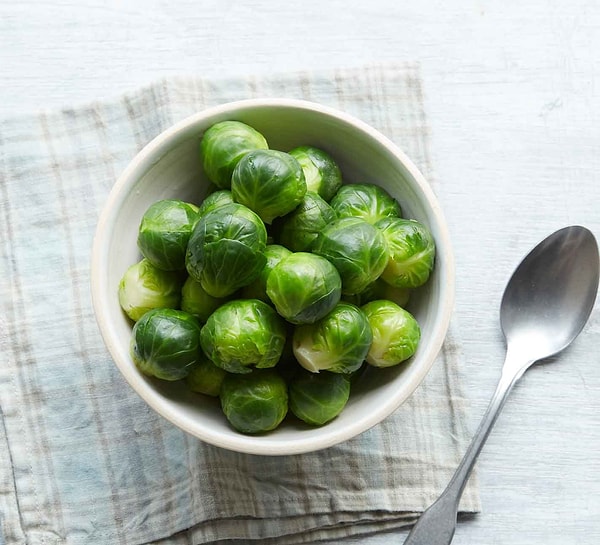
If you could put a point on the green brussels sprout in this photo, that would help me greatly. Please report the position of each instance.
(214, 200)
(367, 201)
(300, 227)
(318, 398)
(256, 402)
(164, 233)
(165, 343)
(323, 176)
(242, 334)
(205, 377)
(396, 333)
(144, 287)
(411, 250)
(380, 290)
(356, 248)
(304, 287)
(196, 301)
(269, 182)
(339, 342)
(223, 145)
(274, 253)
(225, 251)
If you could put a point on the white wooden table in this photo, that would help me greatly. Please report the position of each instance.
(513, 99)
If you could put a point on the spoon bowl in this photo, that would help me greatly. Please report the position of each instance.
(551, 294)
(545, 305)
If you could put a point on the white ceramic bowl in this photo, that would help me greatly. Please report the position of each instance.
(169, 167)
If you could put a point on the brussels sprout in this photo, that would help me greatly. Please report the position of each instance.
(196, 301)
(317, 399)
(225, 251)
(300, 227)
(165, 343)
(256, 402)
(274, 253)
(164, 233)
(144, 287)
(205, 377)
(380, 290)
(356, 248)
(339, 342)
(412, 252)
(214, 200)
(396, 333)
(304, 287)
(242, 334)
(269, 182)
(322, 174)
(223, 145)
(367, 201)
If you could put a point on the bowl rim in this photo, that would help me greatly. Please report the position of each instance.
(262, 444)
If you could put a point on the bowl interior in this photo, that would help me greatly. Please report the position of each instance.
(170, 167)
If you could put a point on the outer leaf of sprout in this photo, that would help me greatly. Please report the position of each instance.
(243, 334)
(269, 182)
(205, 377)
(367, 201)
(339, 342)
(225, 250)
(143, 287)
(214, 200)
(196, 301)
(164, 233)
(412, 252)
(318, 398)
(301, 227)
(256, 402)
(165, 343)
(274, 253)
(396, 333)
(304, 287)
(223, 145)
(323, 176)
(356, 248)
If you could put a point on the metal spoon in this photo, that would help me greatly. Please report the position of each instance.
(545, 305)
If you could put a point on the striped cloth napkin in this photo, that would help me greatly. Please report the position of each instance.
(82, 459)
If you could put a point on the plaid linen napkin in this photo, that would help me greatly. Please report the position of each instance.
(83, 460)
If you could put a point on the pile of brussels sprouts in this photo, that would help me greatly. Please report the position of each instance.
(276, 291)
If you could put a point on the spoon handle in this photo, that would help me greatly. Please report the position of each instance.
(437, 524)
